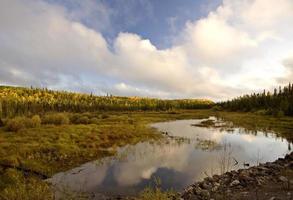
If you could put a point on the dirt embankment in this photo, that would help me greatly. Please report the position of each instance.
(268, 181)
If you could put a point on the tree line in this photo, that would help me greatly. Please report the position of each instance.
(280, 102)
(15, 101)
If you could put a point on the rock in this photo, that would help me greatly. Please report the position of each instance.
(208, 179)
(241, 181)
(206, 186)
(216, 177)
(274, 198)
(234, 183)
(205, 194)
(244, 193)
(197, 190)
(189, 189)
(217, 184)
(289, 157)
(244, 177)
(215, 188)
(193, 197)
(283, 179)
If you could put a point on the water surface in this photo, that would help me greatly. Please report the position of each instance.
(188, 154)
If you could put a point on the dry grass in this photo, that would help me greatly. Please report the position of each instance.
(49, 149)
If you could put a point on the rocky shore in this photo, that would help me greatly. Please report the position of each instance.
(270, 181)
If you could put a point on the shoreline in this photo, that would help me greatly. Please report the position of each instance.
(270, 180)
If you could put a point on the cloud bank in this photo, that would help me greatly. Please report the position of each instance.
(241, 46)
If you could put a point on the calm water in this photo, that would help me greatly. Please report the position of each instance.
(189, 154)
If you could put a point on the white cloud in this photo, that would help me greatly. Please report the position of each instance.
(237, 48)
(140, 61)
(267, 13)
(213, 38)
(36, 38)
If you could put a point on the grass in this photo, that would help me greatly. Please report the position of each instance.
(282, 126)
(48, 149)
(156, 193)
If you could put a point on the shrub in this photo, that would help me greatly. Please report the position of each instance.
(83, 120)
(104, 116)
(1, 123)
(217, 108)
(16, 124)
(94, 120)
(280, 113)
(261, 112)
(29, 189)
(11, 176)
(56, 119)
(87, 114)
(156, 192)
(74, 118)
(36, 120)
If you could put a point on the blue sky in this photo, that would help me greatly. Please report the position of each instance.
(215, 49)
(158, 20)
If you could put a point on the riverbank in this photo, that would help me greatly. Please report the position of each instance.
(50, 149)
(270, 181)
(32, 154)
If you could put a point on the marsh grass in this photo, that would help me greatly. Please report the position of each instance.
(17, 123)
(153, 194)
(225, 158)
(156, 193)
(56, 119)
(25, 188)
(56, 147)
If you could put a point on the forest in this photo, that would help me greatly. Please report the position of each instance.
(278, 103)
(17, 101)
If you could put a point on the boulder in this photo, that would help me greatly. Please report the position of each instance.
(234, 183)
(283, 179)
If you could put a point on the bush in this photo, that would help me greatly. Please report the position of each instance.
(217, 108)
(36, 121)
(261, 112)
(83, 120)
(16, 124)
(280, 113)
(56, 119)
(74, 118)
(104, 116)
(130, 121)
(1, 123)
(27, 189)
(94, 120)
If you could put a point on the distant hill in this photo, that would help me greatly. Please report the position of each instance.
(24, 101)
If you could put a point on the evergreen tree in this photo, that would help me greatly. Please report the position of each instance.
(279, 102)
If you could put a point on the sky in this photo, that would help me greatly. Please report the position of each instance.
(216, 49)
